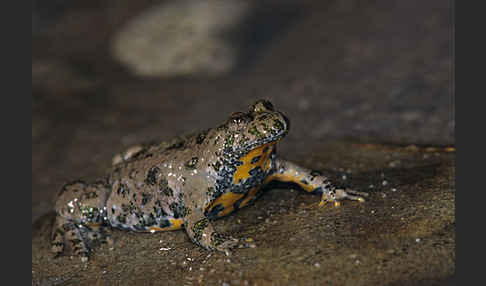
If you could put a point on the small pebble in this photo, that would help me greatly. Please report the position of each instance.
(317, 264)
(384, 183)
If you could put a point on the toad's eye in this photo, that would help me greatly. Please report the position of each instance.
(239, 118)
(262, 105)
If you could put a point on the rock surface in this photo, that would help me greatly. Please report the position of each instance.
(404, 234)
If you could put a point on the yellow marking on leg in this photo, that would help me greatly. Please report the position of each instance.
(176, 224)
(293, 179)
(227, 200)
(243, 171)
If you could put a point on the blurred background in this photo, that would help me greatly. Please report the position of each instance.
(109, 74)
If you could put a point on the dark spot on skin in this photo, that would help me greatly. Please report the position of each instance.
(278, 124)
(228, 143)
(255, 171)
(134, 197)
(191, 164)
(177, 145)
(315, 173)
(146, 198)
(150, 220)
(148, 155)
(117, 170)
(57, 243)
(122, 218)
(127, 208)
(177, 209)
(165, 189)
(212, 193)
(152, 176)
(213, 213)
(268, 105)
(123, 190)
(255, 159)
(164, 223)
(303, 181)
(236, 205)
(67, 227)
(198, 228)
(201, 136)
(158, 210)
(217, 166)
(59, 231)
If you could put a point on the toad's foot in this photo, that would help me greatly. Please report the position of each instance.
(77, 239)
(339, 194)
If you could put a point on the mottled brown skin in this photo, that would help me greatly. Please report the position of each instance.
(186, 183)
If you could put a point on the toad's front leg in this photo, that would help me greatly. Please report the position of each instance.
(199, 228)
(202, 232)
(312, 181)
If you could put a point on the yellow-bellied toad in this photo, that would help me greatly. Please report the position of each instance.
(185, 183)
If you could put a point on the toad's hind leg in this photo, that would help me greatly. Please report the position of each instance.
(80, 216)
